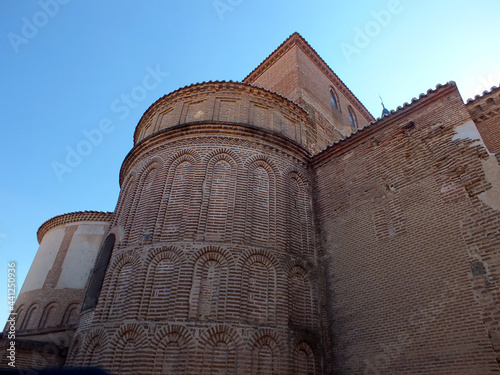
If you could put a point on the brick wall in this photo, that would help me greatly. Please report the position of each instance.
(485, 111)
(47, 314)
(403, 223)
(295, 71)
(214, 266)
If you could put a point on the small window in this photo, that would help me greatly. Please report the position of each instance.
(334, 99)
(352, 118)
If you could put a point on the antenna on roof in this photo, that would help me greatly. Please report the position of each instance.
(385, 111)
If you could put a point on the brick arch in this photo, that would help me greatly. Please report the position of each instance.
(265, 160)
(129, 331)
(74, 349)
(261, 202)
(304, 358)
(162, 271)
(31, 318)
(307, 265)
(295, 170)
(120, 285)
(267, 352)
(217, 211)
(256, 252)
(220, 350)
(259, 287)
(128, 349)
(94, 347)
(148, 162)
(159, 252)
(176, 197)
(124, 217)
(19, 310)
(125, 200)
(220, 253)
(209, 284)
(172, 345)
(186, 154)
(216, 155)
(71, 313)
(298, 215)
(143, 215)
(300, 296)
(50, 312)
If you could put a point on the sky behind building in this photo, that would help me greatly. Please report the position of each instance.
(78, 75)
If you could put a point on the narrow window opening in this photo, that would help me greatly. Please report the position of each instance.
(334, 99)
(94, 289)
(352, 119)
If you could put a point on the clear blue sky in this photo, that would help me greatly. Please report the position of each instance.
(67, 67)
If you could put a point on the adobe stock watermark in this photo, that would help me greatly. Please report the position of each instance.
(11, 322)
(94, 137)
(224, 6)
(32, 25)
(363, 37)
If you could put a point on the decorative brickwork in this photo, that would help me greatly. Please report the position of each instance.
(73, 217)
(402, 222)
(264, 233)
(202, 245)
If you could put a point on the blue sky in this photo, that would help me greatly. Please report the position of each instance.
(71, 67)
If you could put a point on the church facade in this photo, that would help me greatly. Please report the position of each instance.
(273, 226)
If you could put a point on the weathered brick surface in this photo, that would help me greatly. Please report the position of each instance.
(241, 247)
(485, 111)
(45, 322)
(47, 317)
(401, 225)
(295, 71)
(214, 264)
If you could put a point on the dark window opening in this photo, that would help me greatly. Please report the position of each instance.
(352, 118)
(334, 99)
(94, 289)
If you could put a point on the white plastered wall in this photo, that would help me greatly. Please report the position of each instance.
(81, 255)
(44, 259)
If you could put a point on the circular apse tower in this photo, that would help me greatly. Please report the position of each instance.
(209, 266)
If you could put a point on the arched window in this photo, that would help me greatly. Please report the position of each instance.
(352, 118)
(101, 265)
(334, 99)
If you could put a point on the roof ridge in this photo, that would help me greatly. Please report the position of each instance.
(296, 38)
(295, 34)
